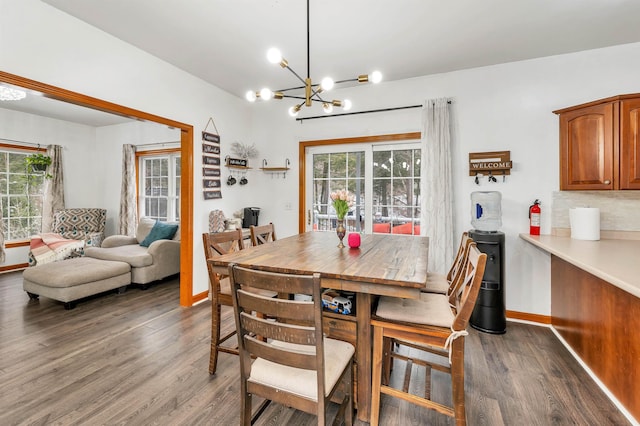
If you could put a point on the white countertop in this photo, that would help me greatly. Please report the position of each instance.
(615, 261)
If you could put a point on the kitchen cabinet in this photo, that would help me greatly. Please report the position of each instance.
(595, 307)
(600, 144)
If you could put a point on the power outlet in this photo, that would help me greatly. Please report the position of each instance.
(287, 206)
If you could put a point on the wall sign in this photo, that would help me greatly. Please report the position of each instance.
(236, 162)
(211, 188)
(496, 162)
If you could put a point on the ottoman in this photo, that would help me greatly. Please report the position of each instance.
(72, 279)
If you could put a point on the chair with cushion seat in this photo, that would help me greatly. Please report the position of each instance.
(440, 283)
(435, 323)
(296, 366)
(217, 244)
(262, 234)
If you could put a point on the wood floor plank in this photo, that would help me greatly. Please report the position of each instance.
(140, 358)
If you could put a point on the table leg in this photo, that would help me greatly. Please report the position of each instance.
(363, 354)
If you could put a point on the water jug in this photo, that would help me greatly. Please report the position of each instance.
(486, 210)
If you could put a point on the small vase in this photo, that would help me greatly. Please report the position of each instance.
(341, 231)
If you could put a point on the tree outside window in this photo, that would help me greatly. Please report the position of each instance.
(21, 190)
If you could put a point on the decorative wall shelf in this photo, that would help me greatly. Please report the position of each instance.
(276, 170)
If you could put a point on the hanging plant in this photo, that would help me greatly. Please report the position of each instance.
(38, 163)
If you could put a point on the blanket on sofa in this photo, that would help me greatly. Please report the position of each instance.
(51, 247)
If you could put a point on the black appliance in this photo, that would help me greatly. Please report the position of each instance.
(250, 216)
(489, 313)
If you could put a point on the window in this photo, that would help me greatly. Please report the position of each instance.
(22, 192)
(159, 185)
(331, 172)
(384, 179)
(396, 191)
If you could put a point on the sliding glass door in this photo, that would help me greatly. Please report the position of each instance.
(383, 178)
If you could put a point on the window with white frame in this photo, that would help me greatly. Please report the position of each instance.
(21, 190)
(159, 185)
(384, 179)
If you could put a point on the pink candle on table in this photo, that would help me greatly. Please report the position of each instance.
(354, 240)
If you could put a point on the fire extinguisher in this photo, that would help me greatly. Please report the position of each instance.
(534, 218)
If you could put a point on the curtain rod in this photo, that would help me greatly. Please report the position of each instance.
(37, 145)
(158, 144)
(301, 119)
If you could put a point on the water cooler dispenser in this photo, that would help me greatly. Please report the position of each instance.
(486, 217)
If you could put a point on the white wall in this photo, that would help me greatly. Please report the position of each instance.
(109, 142)
(503, 107)
(41, 43)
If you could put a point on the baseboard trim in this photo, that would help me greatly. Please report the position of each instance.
(595, 378)
(525, 316)
(200, 296)
(13, 267)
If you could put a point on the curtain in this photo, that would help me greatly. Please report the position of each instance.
(128, 209)
(53, 198)
(2, 252)
(436, 182)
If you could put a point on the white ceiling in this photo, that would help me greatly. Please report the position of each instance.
(224, 42)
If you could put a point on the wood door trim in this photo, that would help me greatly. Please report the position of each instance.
(302, 157)
(186, 148)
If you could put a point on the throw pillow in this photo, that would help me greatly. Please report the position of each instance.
(160, 231)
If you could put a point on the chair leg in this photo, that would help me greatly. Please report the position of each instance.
(215, 337)
(245, 404)
(376, 377)
(457, 381)
(348, 419)
(387, 363)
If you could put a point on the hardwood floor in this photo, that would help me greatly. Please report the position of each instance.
(140, 359)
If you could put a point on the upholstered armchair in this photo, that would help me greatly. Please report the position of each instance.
(81, 224)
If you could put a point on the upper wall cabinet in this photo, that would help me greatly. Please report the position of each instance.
(600, 145)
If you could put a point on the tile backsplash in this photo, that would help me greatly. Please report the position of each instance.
(619, 210)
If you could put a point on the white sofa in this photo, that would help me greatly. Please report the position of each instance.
(159, 260)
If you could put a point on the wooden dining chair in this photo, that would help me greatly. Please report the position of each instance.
(296, 366)
(436, 324)
(217, 244)
(441, 283)
(262, 234)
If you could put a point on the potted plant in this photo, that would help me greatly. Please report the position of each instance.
(38, 163)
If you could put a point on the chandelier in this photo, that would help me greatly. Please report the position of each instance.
(313, 92)
(10, 94)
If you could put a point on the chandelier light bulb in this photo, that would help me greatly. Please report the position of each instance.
(293, 111)
(327, 107)
(266, 94)
(346, 105)
(274, 55)
(326, 84)
(376, 77)
(250, 96)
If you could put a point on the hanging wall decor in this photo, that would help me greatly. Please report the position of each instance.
(211, 188)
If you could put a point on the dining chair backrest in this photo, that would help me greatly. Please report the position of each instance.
(216, 244)
(273, 350)
(463, 299)
(262, 234)
(453, 276)
(219, 243)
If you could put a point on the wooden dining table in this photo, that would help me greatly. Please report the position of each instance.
(384, 264)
